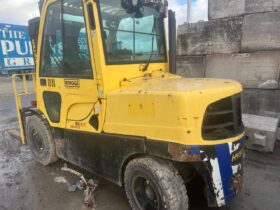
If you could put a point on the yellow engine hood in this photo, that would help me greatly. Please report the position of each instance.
(179, 85)
(165, 107)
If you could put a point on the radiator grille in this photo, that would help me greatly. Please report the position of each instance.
(223, 119)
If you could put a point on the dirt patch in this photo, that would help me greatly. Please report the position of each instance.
(30, 186)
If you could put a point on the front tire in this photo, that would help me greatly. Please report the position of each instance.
(41, 141)
(153, 184)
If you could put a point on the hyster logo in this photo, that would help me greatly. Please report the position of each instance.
(237, 155)
(72, 83)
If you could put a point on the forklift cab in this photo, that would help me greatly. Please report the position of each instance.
(80, 41)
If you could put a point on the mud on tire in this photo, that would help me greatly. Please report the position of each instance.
(41, 141)
(154, 184)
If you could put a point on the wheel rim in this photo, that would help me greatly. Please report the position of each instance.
(37, 142)
(146, 194)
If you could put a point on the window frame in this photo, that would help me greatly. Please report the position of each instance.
(107, 62)
(62, 33)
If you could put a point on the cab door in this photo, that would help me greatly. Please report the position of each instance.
(66, 85)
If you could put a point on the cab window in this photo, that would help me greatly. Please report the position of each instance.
(65, 50)
(130, 37)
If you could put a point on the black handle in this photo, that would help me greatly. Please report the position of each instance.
(91, 16)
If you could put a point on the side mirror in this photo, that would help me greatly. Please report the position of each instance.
(33, 29)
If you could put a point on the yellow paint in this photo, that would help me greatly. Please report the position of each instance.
(21, 92)
(179, 105)
(140, 106)
(80, 111)
(152, 104)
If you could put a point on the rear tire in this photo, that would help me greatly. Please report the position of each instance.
(153, 184)
(41, 140)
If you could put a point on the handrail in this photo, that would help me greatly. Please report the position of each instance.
(18, 95)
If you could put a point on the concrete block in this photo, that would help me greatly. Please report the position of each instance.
(278, 134)
(190, 66)
(261, 132)
(254, 6)
(225, 8)
(276, 5)
(274, 115)
(253, 70)
(203, 38)
(259, 101)
(230, 8)
(261, 32)
(271, 114)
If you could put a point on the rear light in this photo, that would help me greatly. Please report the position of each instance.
(33, 103)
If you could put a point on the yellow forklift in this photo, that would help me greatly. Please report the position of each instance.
(108, 100)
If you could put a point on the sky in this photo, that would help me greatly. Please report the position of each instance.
(199, 10)
(20, 11)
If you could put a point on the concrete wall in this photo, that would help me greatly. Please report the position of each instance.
(241, 41)
(217, 36)
(254, 6)
(225, 8)
(254, 32)
(255, 100)
(261, 32)
(191, 66)
(258, 101)
(230, 8)
(253, 70)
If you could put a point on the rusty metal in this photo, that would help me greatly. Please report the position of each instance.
(81, 176)
(87, 186)
(89, 199)
(237, 182)
(182, 153)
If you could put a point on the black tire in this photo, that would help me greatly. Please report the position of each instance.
(41, 141)
(154, 184)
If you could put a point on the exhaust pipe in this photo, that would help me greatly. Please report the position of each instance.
(172, 42)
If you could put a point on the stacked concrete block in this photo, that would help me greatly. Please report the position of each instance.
(231, 8)
(191, 66)
(225, 8)
(261, 132)
(260, 101)
(254, 6)
(253, 70)
(261, 32)
(217, 36)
